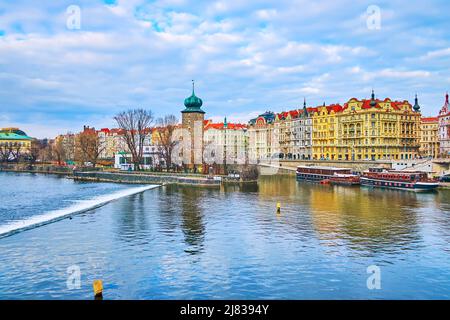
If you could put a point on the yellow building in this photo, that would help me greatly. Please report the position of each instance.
(429, 137)
(324, 138)
(367, 130)
(13, 143)
(378, 129)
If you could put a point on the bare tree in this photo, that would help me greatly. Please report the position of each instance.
(16, 151)
(58, 151)
(36, 148)
(166, 144)
(5, 151)
(46, 153)
(136, 124)
(88, 147)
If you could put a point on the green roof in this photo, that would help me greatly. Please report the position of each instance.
(193, 103)
(13, 136)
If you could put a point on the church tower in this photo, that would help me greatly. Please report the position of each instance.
(192, 118)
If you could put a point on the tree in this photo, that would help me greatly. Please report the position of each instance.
(166, 144)
(16, 151)
(58, 151)
(36, 148)
(88, 147)
(5, 151)
(136, 124)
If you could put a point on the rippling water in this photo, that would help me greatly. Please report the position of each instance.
(200, 243)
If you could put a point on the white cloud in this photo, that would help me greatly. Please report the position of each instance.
(436, 54)
(243, 55)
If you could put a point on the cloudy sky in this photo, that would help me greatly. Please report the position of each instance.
(246, 57)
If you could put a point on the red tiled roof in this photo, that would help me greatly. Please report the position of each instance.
(394, 104)
(334, 107)
(294, 113)
(429, 119)
(220, 126)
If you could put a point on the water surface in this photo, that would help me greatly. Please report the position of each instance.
(202, 243)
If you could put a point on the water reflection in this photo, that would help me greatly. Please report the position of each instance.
(362, 219)
(192, 219)
(187, 243)
(244, 187)
(132, 220)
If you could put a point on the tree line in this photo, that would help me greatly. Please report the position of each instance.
(87, 147)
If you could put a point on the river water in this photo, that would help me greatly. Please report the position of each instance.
(201, 243)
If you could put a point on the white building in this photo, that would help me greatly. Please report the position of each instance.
(151, 158)
(444, 128)
(302, 135)
(225, 140)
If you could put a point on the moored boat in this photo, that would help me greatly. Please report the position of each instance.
(345, 179)
(406, 180)
(318, 173)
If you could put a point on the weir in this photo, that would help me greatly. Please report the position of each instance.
(56, 215)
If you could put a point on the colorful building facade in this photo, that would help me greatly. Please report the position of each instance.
(324, 132)
(378, 130)
(368, 129)
(13, 143)
(429, 137)
(263, 144)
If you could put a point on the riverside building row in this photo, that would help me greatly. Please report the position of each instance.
(367, 129)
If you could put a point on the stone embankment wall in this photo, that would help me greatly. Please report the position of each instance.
(50, 169)
(144, 178)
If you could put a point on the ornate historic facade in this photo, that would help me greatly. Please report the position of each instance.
(325, 128)
(302, 134)
(378, 129)
(263, 144)
(444, 128)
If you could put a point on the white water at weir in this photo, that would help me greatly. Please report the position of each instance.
(79, 207)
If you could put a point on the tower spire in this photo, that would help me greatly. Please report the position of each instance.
(416, 104)
(373, 103)
(193, 85)
(305, 110)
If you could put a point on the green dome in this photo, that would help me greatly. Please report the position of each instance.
(193, 103)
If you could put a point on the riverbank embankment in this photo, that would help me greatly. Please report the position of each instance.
(144, 178)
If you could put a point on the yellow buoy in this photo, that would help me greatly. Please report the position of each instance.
(278, 207)
(98, 288)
